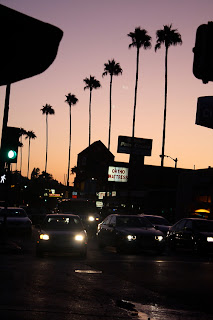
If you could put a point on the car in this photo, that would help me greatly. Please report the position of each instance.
(158, 222)
(62, 233)
(15, 221)
(192, 234)
(85, 209)
(129, 232)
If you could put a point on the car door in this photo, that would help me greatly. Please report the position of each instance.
(179, 240)
(187, 235)
(104, 231)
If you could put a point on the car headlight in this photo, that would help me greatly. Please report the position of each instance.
(131, 237)
(210, 239)
(159, 238)
(44, 236)
(91, 218)
(79, 237)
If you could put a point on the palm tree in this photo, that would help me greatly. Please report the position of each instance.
(47, 109)
(35, 173)
(113, 69)
(168, 37)
(91, 83)
(29, 135)
(140, 38)
(22, 132)
(71, 100)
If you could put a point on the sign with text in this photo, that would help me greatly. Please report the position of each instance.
(204, 115)
(140, 146)
(118, 174)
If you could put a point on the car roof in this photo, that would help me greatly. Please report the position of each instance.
(124, 215)
(152, 215)
(61, 215)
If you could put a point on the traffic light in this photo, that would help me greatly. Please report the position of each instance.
(203, 53)
(10, 143)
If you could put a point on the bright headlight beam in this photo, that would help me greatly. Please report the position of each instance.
(44, 236)
(91, 218)
(210, 239)
(130, 237)
(159, 238)
(79, 237)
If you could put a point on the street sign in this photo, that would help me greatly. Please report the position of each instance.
(204, 115)
(141, 146)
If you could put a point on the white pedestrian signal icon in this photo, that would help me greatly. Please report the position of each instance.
(3, 178)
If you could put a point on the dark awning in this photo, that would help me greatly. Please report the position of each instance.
(27, 46)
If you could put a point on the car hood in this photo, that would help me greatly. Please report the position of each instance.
(15, 219)
(141, 231)
(60, 232)
(206, 234)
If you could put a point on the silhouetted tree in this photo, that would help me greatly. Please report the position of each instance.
(168, 37)
(35, 173)
(71, 100)
(140, 38)
(47, 109)
(29, 135)
(22, 133)
(113, 69)
(91, 83)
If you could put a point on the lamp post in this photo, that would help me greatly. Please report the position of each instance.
(175, 160)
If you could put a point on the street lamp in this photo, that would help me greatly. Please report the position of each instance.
(175, 160)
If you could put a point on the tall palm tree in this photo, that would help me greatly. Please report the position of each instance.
(71, 100)
(140, 38)
(29, 135)
(47, 109)
(22, 132)
(113, 69)
(168, 37)
(91, 83)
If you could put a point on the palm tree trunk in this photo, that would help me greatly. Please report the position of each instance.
(165, 106)
(90, 99)
(28, 160)
(136, 89)
(110, 110)
(68, 173)
(21, 155)
(46, 142)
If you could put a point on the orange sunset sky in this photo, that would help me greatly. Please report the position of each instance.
(95, 31)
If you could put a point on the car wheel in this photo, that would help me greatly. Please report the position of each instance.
(172, 245)
(39, 253)
(83, 253)
(101, 245)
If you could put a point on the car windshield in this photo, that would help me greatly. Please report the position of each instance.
(204, 225)
(158, 220)
(16, 213)
(133, 222)
(62, 223)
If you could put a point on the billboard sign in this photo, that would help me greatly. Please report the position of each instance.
(204, 115)
(142, 147)
(118, 174)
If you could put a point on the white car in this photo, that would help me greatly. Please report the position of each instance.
(15, 220)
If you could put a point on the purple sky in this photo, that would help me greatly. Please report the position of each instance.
(94, 32)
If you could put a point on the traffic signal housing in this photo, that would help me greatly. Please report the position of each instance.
(203, 53)
(10, 143)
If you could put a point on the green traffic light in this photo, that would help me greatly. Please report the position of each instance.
(11, 154)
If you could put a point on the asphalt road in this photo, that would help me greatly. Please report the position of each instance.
(105, 285)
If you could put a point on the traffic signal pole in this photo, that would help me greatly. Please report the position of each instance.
(5, 121)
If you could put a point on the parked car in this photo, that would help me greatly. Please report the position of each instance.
(15, 221)
(159, 222)
(129, 232)
(193, 234)
(61, 233)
